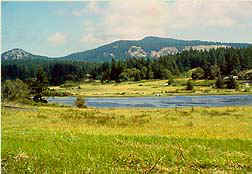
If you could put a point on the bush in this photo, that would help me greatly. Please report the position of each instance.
(53, 93)
(14, 90)
(189, 85)
(80, 103)
(232, 83)
(248, 76)
(198, 73)
(69, 84)
(165, 74)
(171, 81)
(247, 90)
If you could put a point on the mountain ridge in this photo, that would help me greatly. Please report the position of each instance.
(146, 47)
(20, 54)
(150, 46)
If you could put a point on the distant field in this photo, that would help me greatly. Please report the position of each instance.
(148, 88)
(71, 140)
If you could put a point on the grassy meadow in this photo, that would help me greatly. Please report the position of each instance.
(47, 139)
(147, 88)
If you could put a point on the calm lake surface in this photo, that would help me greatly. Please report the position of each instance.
(159, 102)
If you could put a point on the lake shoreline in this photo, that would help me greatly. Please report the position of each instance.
(162, 95)
(158, 102)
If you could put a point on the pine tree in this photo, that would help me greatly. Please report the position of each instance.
(39, 85)
(219, 82)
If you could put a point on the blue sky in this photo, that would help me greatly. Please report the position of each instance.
(60, 28)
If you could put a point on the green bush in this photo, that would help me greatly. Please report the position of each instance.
(232, 83)
(247, 90)
(189, 85)
(198, 73)
(14, 90)
(171, 81)
(69, 84)
(80, 102)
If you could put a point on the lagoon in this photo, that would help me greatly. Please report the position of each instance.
(159, 102)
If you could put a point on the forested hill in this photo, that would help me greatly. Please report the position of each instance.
(149, 47)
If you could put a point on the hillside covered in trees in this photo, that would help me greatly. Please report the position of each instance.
(148, 47)
(152, 47)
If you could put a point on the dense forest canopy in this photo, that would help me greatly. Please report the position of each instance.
(208, 64)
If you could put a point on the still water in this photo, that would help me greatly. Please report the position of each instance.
(159, 102)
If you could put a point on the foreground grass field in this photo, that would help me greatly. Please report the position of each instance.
(71, 140)
(147, 88)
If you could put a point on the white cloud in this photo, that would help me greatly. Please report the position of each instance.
(134, 19)
(90, 8)
(57, 38)
(206, 13)
(91, 40)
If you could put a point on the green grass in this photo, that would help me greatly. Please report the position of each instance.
(148, 88)
(72, 140)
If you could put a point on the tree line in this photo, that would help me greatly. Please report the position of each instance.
(206, 64)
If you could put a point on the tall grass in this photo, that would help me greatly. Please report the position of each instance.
(72, 140)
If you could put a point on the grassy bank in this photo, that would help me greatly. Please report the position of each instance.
(148, 88)
(71, 140)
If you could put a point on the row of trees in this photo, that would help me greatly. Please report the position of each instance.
(57, 72)
(206, 65)
(18, 89)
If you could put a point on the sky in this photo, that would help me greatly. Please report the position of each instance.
(57, 29)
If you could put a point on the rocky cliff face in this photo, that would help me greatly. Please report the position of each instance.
(135, 51)
(205, 47)
(16, 54)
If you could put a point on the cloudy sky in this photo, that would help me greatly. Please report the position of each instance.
(61, 28)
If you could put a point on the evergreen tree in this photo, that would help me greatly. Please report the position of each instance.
(219, 82)
(39, 85)
(214, 72)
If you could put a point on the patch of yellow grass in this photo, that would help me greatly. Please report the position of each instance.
(143, 88)
(224, 122)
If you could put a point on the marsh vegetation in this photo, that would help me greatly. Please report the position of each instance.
(71, 140)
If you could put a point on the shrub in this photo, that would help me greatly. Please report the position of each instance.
(69, 84)
(198, 73)
(14, 90)
(247, 90)
(189, 85)
(80, 103)
(171, 81)
(232, 83)
(165, 74)
(248, 76)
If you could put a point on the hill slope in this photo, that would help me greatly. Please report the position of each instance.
(18, 54)
(148, 47)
